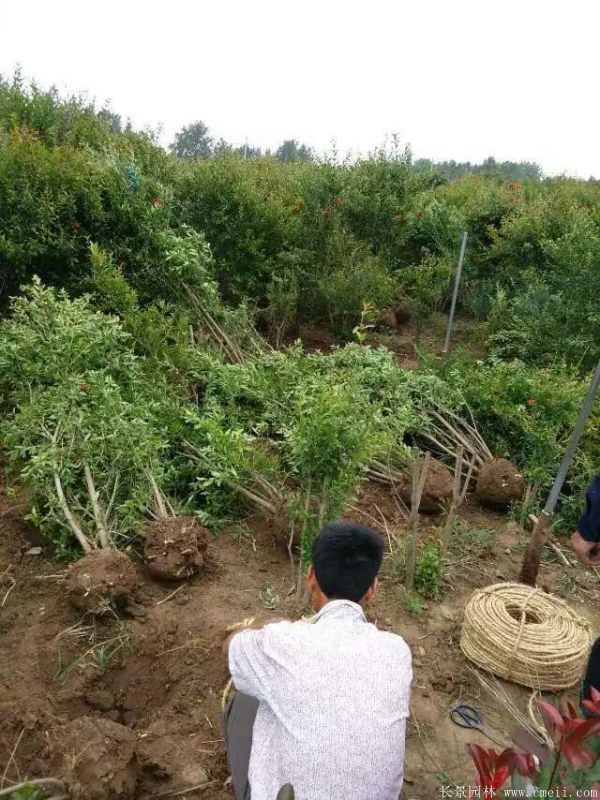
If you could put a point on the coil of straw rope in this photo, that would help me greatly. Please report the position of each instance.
(526, 636)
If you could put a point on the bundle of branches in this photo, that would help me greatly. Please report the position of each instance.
(229, 331)
(448, 437)
(446, 432)
(230, 463)
(85, 453)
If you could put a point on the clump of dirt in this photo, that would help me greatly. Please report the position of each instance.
(397, 315)
(437, 490)
(98, 759)
(175, 548)
(499, 484)
(100, 581)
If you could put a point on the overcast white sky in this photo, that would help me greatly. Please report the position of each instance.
(462, 79)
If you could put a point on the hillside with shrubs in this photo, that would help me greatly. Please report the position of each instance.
(152, 310)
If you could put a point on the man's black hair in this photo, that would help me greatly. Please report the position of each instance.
(346, 558)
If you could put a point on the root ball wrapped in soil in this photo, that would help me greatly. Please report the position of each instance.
(100, 581)
(99, 759)
(437, 490)
(499, 484)
(175, 548)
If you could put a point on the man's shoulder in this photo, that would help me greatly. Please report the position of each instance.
(393, 642)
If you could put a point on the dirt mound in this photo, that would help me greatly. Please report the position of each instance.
(175, 548)
(100, 581)
(396, 316)
(437, 490)
(499, 484)
(99, 759)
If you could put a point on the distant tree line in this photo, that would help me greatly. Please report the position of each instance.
(509, 170)
(195, 141)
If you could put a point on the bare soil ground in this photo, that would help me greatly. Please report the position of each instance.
(160, 672)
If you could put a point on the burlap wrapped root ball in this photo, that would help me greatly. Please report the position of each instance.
(526, 636)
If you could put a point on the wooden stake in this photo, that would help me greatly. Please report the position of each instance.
(456, 497)
(419, 474)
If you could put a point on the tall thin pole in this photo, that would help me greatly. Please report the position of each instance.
(461, 258)
(531, 560)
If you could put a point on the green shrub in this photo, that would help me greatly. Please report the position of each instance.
(429, 570)
(77, 425)
(49, 338)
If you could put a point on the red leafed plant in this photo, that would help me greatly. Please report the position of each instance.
(568, 768)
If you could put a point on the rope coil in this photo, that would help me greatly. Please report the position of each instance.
(526, 636)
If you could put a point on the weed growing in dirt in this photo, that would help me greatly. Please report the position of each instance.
(101, 655)
(412, 602)
(567, 585)
(28, 792)
(481, 540)
(269, 598)
(429, 571)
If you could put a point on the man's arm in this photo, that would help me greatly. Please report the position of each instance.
(585, 540)
(246, 625)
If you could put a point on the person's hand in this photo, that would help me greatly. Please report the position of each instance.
(587, 552)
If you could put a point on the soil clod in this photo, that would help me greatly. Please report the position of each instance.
(175, 548)
(101, 581)
(437, 490)
(99, 759)
(499, 484)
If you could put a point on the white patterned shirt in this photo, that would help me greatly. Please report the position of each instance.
(333, 702)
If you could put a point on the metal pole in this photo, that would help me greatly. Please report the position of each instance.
(531, 560)
(455, 293)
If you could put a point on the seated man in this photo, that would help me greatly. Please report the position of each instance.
(322, 705)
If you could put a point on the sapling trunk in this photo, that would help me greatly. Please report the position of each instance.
(419, 475)
(307, 499)
(97, 511)
(158, 498)
(70, 517)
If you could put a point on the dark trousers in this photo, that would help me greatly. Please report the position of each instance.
(592, 674)
(238, 722)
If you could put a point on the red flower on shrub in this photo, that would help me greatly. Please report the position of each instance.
(156, 202)
(530, 402)
(298, 206)
(514, 185)
(512, 200)
(337, 201)
(418, 214)
(77, 224)
(83, 387)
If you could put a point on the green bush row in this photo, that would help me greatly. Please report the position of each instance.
(297, 242)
